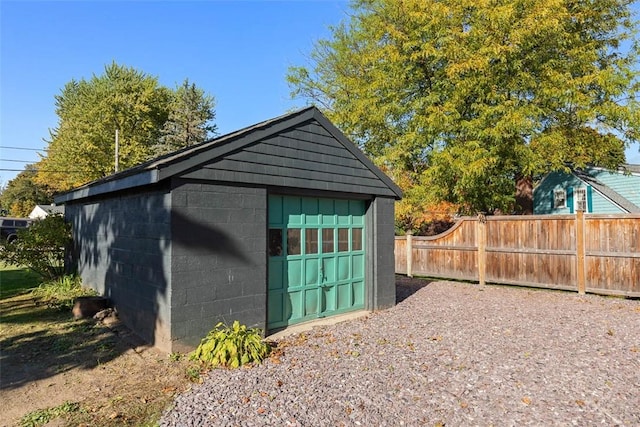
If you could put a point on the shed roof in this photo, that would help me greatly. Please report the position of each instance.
(51, 208)
(233, 158)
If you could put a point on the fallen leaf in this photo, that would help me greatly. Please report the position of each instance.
(526, 400)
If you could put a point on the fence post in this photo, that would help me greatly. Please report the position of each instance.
(580, 253)
(481, 237)
(409, 254)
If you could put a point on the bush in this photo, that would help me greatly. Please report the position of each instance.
(40, 247)
(231, 346)
(62, 292)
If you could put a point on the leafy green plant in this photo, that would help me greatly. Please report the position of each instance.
(40, 247)
(43, 416)
(192, 373)
(231, 346)
(176, 356)
(62, 292)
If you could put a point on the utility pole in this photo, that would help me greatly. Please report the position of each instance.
(117, 149)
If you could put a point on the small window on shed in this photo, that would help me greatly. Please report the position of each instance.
(559, 199)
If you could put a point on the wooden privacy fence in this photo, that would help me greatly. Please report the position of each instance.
(583, 252)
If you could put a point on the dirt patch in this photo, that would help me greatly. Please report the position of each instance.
(48, 358)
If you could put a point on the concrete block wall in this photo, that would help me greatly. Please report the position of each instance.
(219, 262)
(122, 249)
(380, 253)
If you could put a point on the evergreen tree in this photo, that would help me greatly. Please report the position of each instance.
(190, 119)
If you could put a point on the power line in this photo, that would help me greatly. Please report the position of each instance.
(41, 170)
(15, 161)
(23, 148)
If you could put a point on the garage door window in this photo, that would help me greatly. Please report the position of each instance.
(356, 239)
(293, 241)
(275, 242)
(343, 240)
(327, 240)
(311, 241)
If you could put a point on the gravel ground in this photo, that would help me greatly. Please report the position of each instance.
(451, 354)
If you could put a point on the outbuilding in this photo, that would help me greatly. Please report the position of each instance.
(43, 211)
(279, 223)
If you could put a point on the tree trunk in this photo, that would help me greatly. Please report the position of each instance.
(524, 195)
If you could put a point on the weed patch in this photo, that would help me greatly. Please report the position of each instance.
(43, 416)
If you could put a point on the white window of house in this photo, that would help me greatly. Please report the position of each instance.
(580, 199)
(559, 198)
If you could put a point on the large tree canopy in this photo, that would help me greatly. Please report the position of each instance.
(22, 193)
(123, 100)
(457, 99)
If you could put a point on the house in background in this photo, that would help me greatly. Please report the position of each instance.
(279, 223)
(43, 211)
(592, 190)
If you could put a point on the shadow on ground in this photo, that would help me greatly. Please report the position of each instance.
(407, 286)
(38, 342)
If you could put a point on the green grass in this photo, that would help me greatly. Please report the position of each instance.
(62, 292)
(43, 416)
(17, 280)
(37, 329)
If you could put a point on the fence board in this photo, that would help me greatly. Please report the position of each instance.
(536, 250)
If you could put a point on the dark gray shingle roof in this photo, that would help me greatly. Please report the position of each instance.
(176, 163)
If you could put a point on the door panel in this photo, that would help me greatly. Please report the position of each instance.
(311, 302)
(344, 270)
(345, 296)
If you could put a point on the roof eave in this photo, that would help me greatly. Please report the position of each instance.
(136, 180)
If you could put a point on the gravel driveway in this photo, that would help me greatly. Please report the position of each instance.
(451, 354)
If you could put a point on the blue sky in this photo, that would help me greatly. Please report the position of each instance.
(237, 51)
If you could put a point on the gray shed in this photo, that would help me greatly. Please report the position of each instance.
(279, 223)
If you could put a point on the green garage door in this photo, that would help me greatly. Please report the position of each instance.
(316, 258)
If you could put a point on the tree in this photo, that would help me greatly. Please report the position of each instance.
(190, 119)
(132, 103)
(82, 147)
(459, 99)
(23, 193)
